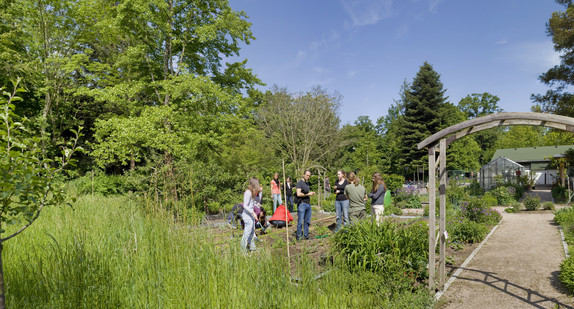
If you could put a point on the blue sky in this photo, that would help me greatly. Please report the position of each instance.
(365, 49)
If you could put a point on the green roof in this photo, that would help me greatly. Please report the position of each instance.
(531, 154)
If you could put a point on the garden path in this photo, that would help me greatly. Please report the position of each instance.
(517, 267)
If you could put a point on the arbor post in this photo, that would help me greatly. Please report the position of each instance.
(442, 215)
(432, 226)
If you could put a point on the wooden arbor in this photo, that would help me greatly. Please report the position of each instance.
(439, 141)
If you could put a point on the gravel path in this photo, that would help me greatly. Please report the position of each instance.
(517, 267)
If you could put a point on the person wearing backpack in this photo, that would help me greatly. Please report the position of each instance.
(377, 196)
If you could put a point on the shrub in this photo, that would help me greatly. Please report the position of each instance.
(532, 202)
(504, 195)
(549, 206)
(476, 210)
(559, 193)
(407, 197)
(567, 273)
(394, 182)
(464, 230)
(392, 210)
(490, 199)
(514, 207)
(474, 189)
(455, 194)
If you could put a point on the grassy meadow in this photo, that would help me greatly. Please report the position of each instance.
(108, 252)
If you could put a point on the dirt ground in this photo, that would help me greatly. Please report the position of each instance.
(318, 247)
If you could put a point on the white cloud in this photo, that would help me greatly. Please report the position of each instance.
(368, 12)
(502, 41)
(536, 56)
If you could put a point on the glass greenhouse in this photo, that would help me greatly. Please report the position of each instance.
(500, 167)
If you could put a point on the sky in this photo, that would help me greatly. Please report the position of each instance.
(366, 49)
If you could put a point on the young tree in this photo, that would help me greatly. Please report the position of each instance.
(423, 102)
(27, 179)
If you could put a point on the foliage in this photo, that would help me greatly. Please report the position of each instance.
(462, 155)
(504, 195)
(557, 100)
(559, 193)
(465, 230)
(385, 248)
(303, 137)
(489, 199)
(532, 202)
(423, 101)
(515, 207)
(478, 211)
(393, 209)
(548, 206)
(565, 217)
(474, 189)
(567, 273)
(407, 197)
(456, 194)
(394, 182)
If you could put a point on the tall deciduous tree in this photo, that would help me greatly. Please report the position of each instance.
(304, 127)
(423, 102)
(478, 105)
(558, 100)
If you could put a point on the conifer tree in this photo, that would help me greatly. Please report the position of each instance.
(423, 102)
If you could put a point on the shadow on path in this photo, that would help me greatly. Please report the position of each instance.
(523, 294)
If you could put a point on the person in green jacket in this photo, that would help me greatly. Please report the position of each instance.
(357, 195)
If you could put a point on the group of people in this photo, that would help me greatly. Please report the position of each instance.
(349, 204)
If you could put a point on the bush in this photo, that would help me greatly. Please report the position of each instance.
(565, 217)
(532, 202)
(559, 194)
(490, 199)
(476, 210)
(549, 206)
(392, 210)
(464, 230)
(394, 182)
(567, 273)
(407, 197)
(515, 207)
(474, 189)
(455, 194)
(504, 195)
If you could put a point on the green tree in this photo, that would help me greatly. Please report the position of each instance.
(423, 102)
(27, 178)
(558, 99)
(462, 155)
(520, 136)
(479, 104)
(303, 127)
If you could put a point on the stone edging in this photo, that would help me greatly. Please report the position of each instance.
(466, 262)
(564, 244)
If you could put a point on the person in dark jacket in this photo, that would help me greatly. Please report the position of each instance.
(288, 187)
(377, 196)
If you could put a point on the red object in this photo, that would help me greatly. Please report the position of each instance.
(279, 214)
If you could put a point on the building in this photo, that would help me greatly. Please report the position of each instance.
(537, 159)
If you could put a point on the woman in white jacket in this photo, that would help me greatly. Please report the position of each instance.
(251, 196)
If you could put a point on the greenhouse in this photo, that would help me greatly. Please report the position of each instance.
(501, 167)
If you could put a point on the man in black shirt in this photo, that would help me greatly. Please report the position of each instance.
(304, 205)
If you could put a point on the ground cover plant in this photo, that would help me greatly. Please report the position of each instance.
(565, 217)
(110, 252)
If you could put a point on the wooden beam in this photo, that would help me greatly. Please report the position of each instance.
(547, 120)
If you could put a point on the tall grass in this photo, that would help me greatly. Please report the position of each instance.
(108, 253)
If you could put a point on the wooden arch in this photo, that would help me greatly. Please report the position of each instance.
(439, 141)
